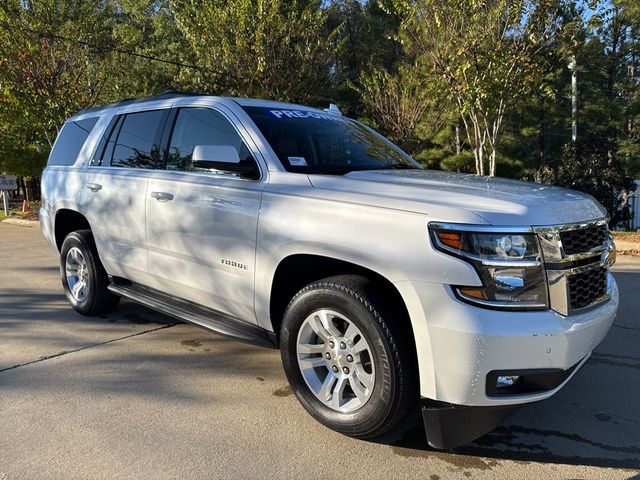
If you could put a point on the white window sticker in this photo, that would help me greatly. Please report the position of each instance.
(297, 162)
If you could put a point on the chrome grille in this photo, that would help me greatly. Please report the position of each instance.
(584, 239)
(587, 287)
(577, 259)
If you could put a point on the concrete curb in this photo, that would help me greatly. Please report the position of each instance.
(22, 223)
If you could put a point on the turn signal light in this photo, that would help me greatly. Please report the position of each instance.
(451, 239)
(478, 293)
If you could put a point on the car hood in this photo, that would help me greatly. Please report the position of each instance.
(453, 197)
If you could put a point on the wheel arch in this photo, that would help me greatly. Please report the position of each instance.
(66, 221)
(297, 270)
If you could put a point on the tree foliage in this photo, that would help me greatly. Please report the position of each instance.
(280, 49)
(399, 102)
(47, 77)
(484, 53)
(148, 29)
(477, 86)
(592, 166)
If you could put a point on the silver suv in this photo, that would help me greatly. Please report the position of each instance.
(384, 285)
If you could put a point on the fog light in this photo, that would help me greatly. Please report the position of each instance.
(507, 381)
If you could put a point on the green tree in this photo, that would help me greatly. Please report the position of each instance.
(57, 57)
(483, 52)
(143, 30)
(367, 36)
(22, 151)
(539, 124)
(625, 68)
(399, 102)
(275, 49)
(47, 77)
(591, 166)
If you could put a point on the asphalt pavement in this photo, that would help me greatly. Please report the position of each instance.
(136, 395)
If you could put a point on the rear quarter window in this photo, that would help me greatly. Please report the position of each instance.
(70, 141)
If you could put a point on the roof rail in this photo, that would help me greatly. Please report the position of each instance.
(129, 101)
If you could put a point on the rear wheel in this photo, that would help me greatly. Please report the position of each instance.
(347, 356)
(84, 279)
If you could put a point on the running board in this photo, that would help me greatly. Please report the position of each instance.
(196, 314)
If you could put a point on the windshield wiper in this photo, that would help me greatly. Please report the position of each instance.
(399, 166)
(335, 170)
(344, 169)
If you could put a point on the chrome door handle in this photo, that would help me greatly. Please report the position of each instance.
(162, 196)
(94, 187)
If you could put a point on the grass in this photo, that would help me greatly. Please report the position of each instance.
(14, 212)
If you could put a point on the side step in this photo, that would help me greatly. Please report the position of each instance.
(196, 314)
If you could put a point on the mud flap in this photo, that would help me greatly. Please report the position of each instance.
(449, 426)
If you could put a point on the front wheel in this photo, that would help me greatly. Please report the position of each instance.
(348, 357)
(84, 279)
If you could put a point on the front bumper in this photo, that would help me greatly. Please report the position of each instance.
(450, 426)
(462, 349)
(459, 345)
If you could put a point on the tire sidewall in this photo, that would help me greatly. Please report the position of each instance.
(78, 241)
(380, 405)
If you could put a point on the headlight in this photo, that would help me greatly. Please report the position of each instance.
(508, 264)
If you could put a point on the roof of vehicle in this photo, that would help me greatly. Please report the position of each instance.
(130, 101)
(244, 102)
(254, 102)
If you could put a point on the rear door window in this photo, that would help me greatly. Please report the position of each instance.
(108, 141)
(71, 140)
(136, 143)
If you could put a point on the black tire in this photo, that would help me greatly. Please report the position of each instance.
(360, 300)
(98, 298)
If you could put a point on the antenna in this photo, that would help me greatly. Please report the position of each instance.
(333, 108)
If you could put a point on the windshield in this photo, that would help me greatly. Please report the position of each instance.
(316, 142)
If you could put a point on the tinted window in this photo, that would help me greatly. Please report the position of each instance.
(70, 141)
(137, 140)
(108, 146)
(201, 126)
(316, 142)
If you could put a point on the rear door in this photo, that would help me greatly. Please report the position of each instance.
(201, 224)
(113, 197)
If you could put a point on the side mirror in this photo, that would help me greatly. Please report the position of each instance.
(225, 158)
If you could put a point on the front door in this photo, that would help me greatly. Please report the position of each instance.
(202, 224)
